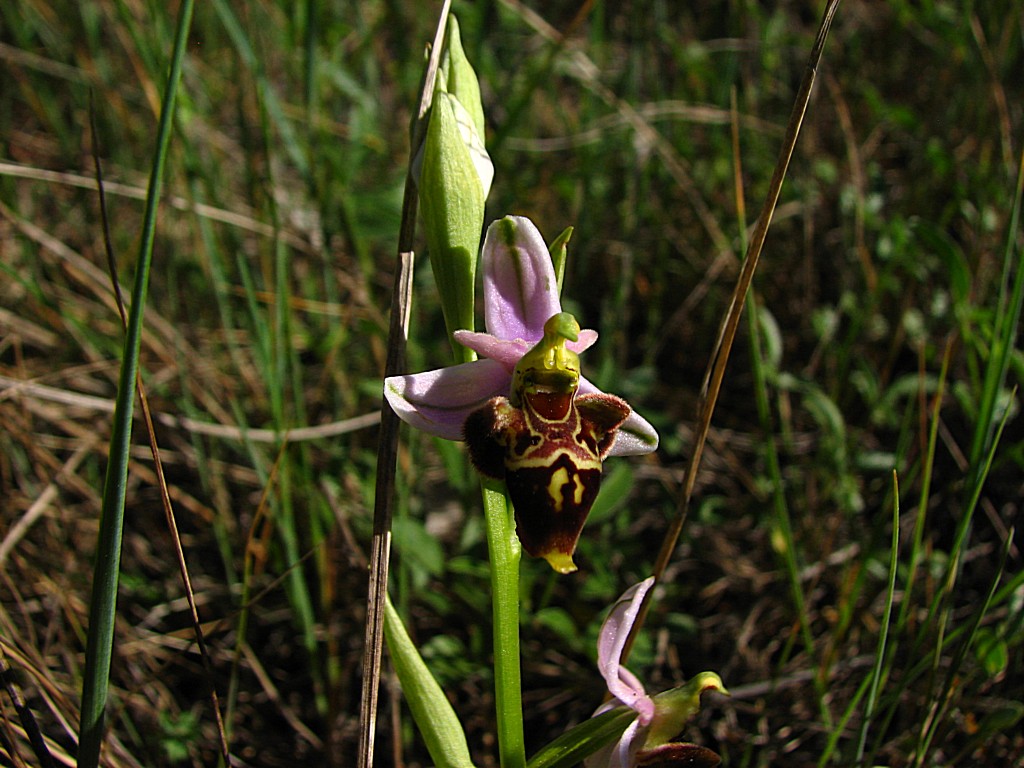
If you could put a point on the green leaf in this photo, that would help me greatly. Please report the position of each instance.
(560, 622)
(416, 545)
(955, 266)
(438, 724)
(559, 250)
(615, 488)
(991, 651)
(578, 743)
(771, 340)
(1002, 720)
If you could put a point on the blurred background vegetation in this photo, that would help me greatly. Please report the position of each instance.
(268, 313)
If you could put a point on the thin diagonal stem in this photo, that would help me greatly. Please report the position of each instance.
(387, 448)
(716, 366)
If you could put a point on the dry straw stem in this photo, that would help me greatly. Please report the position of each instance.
(720, 356)
(10, 388)
(387, 448)
(28, 721)
(18, 530)
(244, 221)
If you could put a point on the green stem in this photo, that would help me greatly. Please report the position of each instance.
(504, 550)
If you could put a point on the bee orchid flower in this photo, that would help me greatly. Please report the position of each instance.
(646, 740)
(527, 414)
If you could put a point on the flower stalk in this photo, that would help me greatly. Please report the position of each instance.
(536, 429)
(504, 552)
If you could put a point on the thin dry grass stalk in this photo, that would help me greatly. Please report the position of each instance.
(720, 356)
(387, 451)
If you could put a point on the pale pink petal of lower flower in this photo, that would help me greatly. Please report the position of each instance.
(621, 753)
(629, 745)
(610, 642)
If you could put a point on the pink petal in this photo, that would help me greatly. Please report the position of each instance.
(610, 642)
(630, 680)
(505, 351)
(509, 351)
(621, 753)
(439, 401)
(586, 340)
(628, 746)
(635, 437)
(520, 291)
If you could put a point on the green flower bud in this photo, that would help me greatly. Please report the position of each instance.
(461, 77)
(455, 174)
(674, 708)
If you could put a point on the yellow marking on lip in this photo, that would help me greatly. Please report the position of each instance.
(577, 493)
(559, 478)
(578, 461)
(560, 561)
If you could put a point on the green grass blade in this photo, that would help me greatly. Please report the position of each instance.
(839, 729)
(917, 547)
(883, 635)
(783, 524)
(103, 606)
(274, 107)
(1004, 334)
(945, 596)
(941, 701)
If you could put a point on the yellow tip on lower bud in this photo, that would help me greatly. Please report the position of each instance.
(560, 561)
